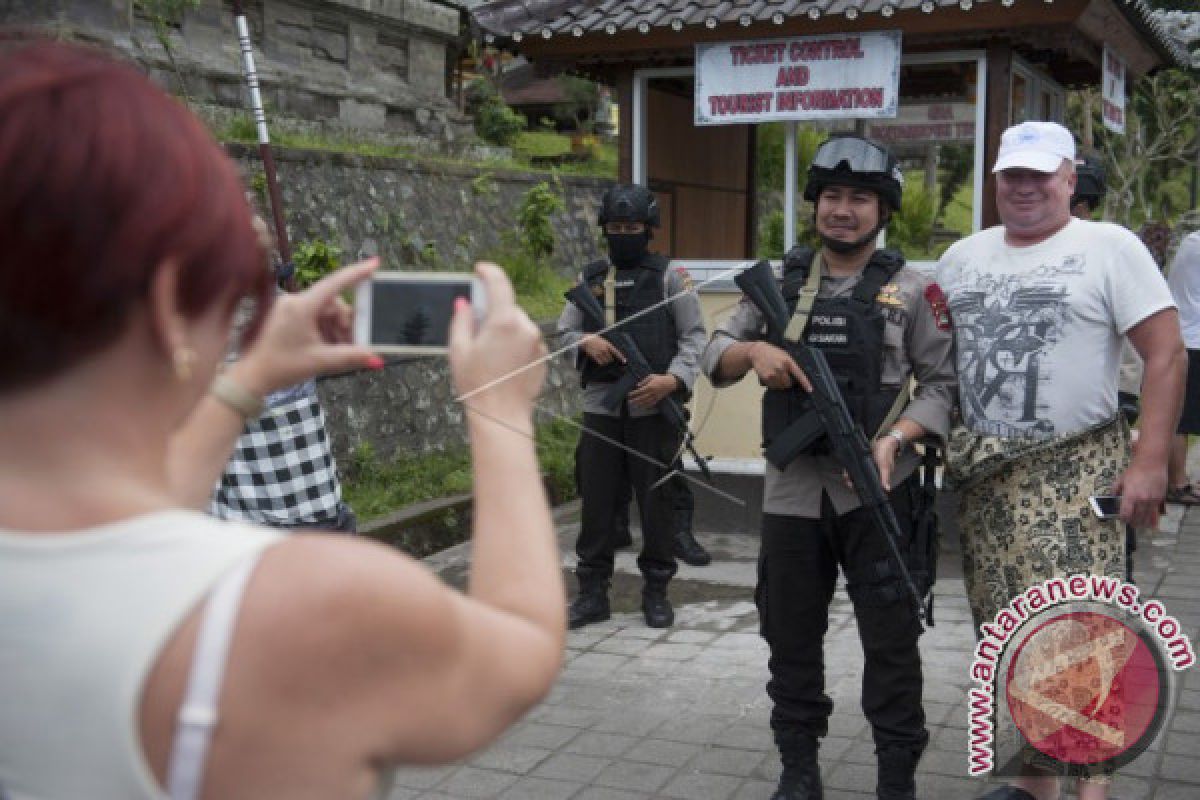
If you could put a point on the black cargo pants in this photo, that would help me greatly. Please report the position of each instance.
(604, 471)
(797, 572)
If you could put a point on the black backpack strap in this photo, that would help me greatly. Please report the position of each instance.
(879, 270)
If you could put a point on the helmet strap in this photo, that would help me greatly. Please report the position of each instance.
(845, 248)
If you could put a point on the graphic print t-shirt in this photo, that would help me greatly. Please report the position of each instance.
(1038, 329)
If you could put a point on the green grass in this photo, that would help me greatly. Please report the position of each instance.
(541, 143)
(374, 489)
(603, 164)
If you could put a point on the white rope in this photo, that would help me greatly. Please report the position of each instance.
(620, 445)
(524, 368)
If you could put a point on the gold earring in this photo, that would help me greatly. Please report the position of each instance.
(185, 359)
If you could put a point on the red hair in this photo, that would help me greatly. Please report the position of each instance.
(103, 176)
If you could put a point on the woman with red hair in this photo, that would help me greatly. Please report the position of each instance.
(148, 650)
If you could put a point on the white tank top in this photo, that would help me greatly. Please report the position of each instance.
(83, 616)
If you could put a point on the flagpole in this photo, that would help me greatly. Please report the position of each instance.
(286, 274)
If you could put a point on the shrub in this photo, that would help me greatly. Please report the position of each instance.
(314, 259)
(533, 220)
(911, 228)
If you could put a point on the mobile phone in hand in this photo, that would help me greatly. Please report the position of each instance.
(408, 313)
(1106, 506)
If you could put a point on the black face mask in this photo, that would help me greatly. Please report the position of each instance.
(627, 249)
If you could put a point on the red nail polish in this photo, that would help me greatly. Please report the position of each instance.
(460, 303)
(375, 362)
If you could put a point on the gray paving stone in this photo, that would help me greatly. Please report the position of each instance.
(421, 777)
(541, 789)
(561, 715)
(944, 762)
(472, 782)
(1167, 790)
(571, 767)
(755, 790)
(541, 734)
(727, 761)
(601, 745)
(949, 787)
(604, 793)
(671, 651)
(663, 752)
(634, 776)
(694, 729)
(1179, 768)
(400, 793)
(620, 645)
(852, 777)
(509, 757)
(632, 722)
(1182, 743)
(750, 737)
(691, 637)
(701, 786)
(600, 662)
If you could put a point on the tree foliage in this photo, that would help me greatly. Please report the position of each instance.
(1160, 139)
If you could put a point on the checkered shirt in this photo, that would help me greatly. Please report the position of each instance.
(282, 471)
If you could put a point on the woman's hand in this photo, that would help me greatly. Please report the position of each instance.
(306, 334)
(506, 342)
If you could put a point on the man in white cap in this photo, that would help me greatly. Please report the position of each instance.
(1039, 305)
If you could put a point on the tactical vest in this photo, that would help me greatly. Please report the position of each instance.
(849, 331)
(654, 332)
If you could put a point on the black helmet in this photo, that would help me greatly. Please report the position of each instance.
(1090, 184)
(629, 203)
(848, 160)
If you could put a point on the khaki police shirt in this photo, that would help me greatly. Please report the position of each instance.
(689, 329)
(913, 345)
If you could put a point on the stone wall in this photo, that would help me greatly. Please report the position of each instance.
(399, 209)
(384, 65)
(420, 213)
(409, 407)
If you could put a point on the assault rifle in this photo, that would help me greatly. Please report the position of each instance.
(829, 416)
(637, 369)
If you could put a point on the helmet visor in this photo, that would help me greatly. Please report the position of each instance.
(859, 155)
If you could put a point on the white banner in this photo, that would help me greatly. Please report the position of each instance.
(1113, 91)
(840, 76)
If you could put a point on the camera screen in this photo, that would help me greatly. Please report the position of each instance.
(414, 313)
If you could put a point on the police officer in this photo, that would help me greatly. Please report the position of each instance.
(879, 324)
(1089, 188)
(671, 337)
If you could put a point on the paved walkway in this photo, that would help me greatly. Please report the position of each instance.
(682, 713)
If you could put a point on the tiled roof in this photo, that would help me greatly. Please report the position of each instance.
(512, 20)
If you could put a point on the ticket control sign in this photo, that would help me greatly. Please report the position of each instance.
(838, 76)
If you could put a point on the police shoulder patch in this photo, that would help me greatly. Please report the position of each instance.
(939, 306)
(686, 277)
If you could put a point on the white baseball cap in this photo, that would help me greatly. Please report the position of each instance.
(1039, 146)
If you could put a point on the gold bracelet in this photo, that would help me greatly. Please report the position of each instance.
(237, 397)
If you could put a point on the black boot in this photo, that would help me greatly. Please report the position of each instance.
(656, 607)
(687, 549)
(897, 773)
(801, 776)
(591, 604)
